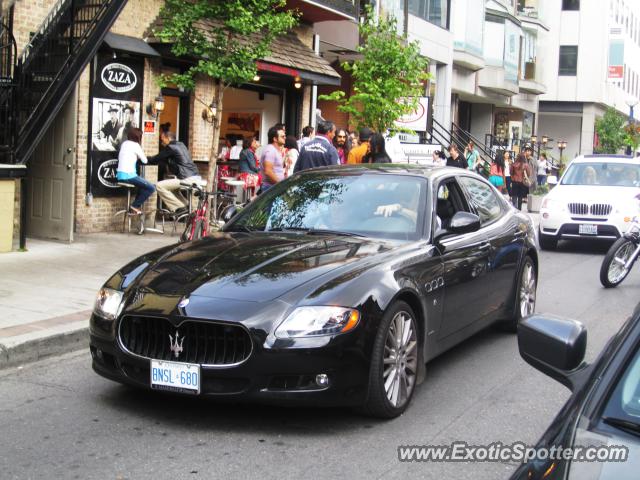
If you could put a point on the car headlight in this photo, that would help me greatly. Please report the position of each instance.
(318, 321)
(108, 303)
(552, 204)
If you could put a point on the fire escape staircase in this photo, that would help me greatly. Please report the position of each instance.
(461, 138)
(35, 84)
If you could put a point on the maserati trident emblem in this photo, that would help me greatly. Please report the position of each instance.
(175, 344)
(183, 303)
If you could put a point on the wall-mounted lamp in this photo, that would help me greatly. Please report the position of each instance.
(155, 109)
(210, 112)
(297, 83)
(256, 78)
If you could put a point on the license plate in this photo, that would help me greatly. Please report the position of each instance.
(587, 229)
(175, 376)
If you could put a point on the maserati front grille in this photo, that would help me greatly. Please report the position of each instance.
(194, 341)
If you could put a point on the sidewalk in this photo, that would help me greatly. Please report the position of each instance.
(47, 293)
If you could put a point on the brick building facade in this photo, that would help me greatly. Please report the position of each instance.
(135, 20)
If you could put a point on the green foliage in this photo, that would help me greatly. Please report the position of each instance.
(541, 190)
(387, 81)
(632, 136)
(224, 38)
(610, 132)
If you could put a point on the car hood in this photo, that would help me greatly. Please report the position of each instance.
(594, 194)
(253, 267)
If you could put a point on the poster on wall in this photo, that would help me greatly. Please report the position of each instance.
(527, 124)
(515, 132)
(116, 108)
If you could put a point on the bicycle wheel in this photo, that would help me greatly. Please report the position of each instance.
(198, 229)
(187, 233)
(613, 270)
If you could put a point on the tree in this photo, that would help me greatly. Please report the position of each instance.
(611, 136)
(223, 39)
(387, 80)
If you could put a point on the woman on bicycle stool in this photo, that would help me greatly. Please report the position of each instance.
(130, 153)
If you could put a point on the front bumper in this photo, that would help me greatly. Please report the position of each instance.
(563, 225)
(283, 376)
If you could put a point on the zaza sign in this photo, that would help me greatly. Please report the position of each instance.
(119, 78)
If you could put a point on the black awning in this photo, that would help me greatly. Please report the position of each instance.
(123, 43)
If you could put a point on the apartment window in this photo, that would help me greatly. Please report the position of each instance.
(570, 4)
(568, 60)
(433, 11)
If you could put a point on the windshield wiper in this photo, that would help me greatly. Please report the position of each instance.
(241, 228)
(622, 424)
(314, 231)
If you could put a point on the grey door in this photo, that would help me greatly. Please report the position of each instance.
(50, 186)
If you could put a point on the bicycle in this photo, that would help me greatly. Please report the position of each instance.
(198, 222)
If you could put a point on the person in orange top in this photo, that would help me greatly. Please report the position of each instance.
(357, 154)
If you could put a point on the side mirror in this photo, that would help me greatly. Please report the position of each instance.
(553, 345)
(229, 213)
(464, 222)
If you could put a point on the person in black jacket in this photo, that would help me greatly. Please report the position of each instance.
(179, 162)
(319, 152)
(455, 159)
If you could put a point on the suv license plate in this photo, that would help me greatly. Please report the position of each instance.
(587, 229)
(175, 376)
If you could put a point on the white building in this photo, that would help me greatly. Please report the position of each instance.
(592, 60)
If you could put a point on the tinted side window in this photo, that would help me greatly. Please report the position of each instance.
(483, 199)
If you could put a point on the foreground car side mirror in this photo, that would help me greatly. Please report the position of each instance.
(464, 222)
(553, 345)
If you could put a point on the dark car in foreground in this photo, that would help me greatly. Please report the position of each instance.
(599, 426)
(332, 288)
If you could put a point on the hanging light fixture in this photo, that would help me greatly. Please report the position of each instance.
(256, 78)
(156, 108)
(297, 83)
(210, 112)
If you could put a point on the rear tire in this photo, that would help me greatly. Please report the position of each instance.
(394, 363)
(526, 289)
(547, 242)
(612, 271)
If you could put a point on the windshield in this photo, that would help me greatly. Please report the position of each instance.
(370, 204)
(606, 174)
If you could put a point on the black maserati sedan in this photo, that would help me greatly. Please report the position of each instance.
(596, 434)
(334, 287)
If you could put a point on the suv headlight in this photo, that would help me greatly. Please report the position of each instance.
(108, 303)
(318, 321)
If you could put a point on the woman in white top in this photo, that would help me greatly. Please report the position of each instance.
(507, 170)
(291, 157)
(543, 166)
(128, 156)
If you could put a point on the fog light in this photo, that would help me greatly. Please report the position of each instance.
(99, 354)
(322, 380)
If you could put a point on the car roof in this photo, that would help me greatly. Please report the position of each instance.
(605, 158)
(427, 171)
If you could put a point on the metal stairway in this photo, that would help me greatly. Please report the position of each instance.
(45, 72)
(460, 138)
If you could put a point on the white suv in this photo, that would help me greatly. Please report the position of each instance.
(596, 198)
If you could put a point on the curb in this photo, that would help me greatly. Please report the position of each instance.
(43, 346)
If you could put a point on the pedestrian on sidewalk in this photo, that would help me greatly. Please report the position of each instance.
(307, 135)
(357, 154)
(342, 142)
(520, 180)
(128, 156)
(496, 172)
(291, 154)
(377, 150)
(543, 169)
(506, 156)
(320, 151)
(178, 160)
(472, 156)
(455, 159)
(272, 159)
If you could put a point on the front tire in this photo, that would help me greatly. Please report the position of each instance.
(525, 295)
(547, 242)
(394, 363)
(613, 271)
